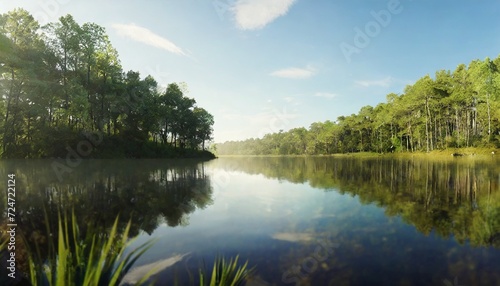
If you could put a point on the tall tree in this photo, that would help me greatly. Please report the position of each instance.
(23, 45)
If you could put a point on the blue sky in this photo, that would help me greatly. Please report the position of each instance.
(264, 65)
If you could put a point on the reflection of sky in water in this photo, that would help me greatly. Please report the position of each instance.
(254, 205)
(400, 239)
(279, 225)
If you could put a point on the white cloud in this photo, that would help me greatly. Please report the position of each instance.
(294, 73)
(147, 37)
(256, 14)
(382, 82)
(326, 95)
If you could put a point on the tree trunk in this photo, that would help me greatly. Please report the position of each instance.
(7, 112)
(489, 115)
(457, 127)
(428, 115)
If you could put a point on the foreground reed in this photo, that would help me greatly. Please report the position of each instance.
(96, 259)
(226, 273)
(89, 261)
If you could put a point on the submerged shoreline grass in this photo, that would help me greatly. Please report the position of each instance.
(94, 258)
(445, 153)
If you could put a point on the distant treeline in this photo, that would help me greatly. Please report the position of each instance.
(453, 109)
(63, 80)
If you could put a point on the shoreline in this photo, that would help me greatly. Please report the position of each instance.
(469, 152)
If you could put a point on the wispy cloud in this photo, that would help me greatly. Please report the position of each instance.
(256, 14)
(145, 36)
(326, 95)
(295, 73)
(382, 82)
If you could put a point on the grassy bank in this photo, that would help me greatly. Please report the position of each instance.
(446, 153)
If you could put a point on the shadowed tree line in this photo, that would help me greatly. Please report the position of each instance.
(147, 193)
(449, 197)
(64, 79)
(453, 109)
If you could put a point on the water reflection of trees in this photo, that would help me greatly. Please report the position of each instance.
(459, 197)
(146, 192)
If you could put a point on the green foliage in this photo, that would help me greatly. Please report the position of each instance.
(98, 259)
(95, 259)
(226, 273)
(453, 109)
(65, 79)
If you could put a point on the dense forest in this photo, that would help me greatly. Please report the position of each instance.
(452, 110)
(62, 84)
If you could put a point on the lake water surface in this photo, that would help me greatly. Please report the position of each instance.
(299, 221)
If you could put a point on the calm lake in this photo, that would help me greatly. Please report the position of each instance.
(299, 221)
